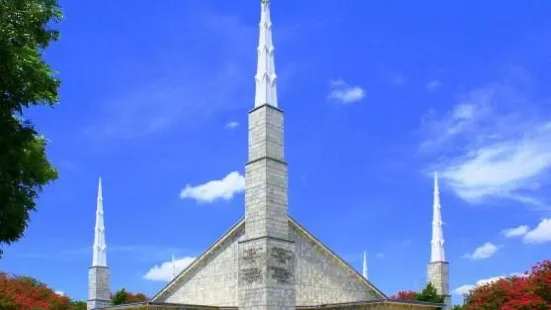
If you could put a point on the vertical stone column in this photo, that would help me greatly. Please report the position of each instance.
(438, 275)
(98, 288)
(266, 255)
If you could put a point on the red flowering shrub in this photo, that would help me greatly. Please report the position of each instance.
(428, 294)
(123, 297)
(25, 293)
(404, 295)
(529, 292)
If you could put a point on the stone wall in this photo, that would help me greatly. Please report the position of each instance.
(320, 279)
(214, 281)
(376, 305)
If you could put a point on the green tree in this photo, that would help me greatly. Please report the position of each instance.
(429, 294)
(78, 305)
(119, 297)
(25, 80)
(123, 297)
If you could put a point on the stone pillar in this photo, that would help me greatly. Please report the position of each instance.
(266, 255)
(98, 288)
(438, 275)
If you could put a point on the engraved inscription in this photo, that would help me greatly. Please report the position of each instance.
(281, 275)
(251, 275)
(282, 256)
(250, 255)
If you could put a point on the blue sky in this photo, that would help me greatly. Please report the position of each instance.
(376, 95)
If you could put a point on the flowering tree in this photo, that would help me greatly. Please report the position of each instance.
(428, 294)
(529, 292)
(26, 293)
(123, 297)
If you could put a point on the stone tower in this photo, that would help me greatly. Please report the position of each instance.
(266, 253)
(98, 275)
(438, 268)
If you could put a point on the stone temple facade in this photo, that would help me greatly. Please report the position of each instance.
(267, 260)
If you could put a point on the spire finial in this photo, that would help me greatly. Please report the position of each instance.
(265, 77)
(365, 266)
(173, 267)
(437, 242)
(99, 248)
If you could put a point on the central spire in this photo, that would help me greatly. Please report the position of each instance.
(99, 248)
(437, 242)
(364, 273)
(265, 71)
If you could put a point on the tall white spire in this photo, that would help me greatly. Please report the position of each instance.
(437, 242)
(365, 266)
(99, 248)
(265, 71)
(173, 267)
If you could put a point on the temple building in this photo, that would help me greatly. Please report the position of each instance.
(267, 260)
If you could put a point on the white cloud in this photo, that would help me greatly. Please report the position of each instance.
(484, 251)
(464, 289)
(163, 272)
(515, 232)
(60, 293)
(540, 234)
(232, 124)
(486, 147)
(433, 85)
(208, 192)
(344, 93)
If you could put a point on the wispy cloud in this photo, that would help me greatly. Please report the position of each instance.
(224, 189)
(163, 272)
(490, 145)
(465, 289)
(433, 85)
(484, 251)
(515, 232)
(232, 124)
(540, 234)
(345, 93)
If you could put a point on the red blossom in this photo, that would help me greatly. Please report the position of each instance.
(531, 291)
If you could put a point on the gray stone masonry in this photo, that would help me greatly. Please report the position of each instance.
(319, 278)
(438, 275)
(267, 259)
(266, 274)
(266, 176)
(98, 288)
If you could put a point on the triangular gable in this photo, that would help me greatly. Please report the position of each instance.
(337, 259)
(230, 237)
(173, 285)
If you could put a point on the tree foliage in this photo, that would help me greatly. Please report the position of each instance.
(25, 80)
(123, 297)
(428, 294)
(529, 292)
(25, 293)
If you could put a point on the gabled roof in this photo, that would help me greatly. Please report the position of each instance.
(228, 235)
(236, 229)
(378, 293)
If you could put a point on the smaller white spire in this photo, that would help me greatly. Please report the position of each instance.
(173, 267)
(99, 248)
(266, 77)
(437, 242)
(364, 273)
